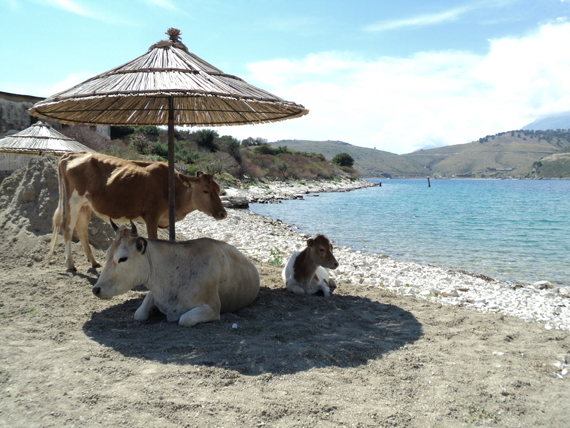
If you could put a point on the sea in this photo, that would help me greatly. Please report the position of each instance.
(512, 230)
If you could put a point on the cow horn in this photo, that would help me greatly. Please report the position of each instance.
(115, 227)
(134, 231)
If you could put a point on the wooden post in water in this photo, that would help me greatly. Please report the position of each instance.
(429, 185)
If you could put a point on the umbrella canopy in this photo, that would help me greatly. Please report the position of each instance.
(166, 86)
(139, 92)
(40, 138)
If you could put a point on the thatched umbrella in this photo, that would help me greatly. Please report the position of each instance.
(40, 138)
(166, 86)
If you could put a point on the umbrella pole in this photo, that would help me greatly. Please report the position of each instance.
(171, 183)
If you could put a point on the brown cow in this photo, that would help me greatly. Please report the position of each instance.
(306, 271)
(124, 190)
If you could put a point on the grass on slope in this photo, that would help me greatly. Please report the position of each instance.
(370, 162)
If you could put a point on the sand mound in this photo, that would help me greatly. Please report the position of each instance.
(28, 199)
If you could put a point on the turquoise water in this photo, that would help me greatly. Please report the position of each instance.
(516, 230)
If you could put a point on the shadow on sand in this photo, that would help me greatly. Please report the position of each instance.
(279, 333)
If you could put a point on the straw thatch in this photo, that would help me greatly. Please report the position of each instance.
(40, 138)
(137, 93)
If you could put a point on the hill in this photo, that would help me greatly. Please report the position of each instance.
(370, 162)
(555, 166)
(505, 154)
(559, 121)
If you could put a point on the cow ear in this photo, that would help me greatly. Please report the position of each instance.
(141, 245)
(310, 242)
(186, 182)
(199, 174)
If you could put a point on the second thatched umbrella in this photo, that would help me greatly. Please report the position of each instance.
(166, 86)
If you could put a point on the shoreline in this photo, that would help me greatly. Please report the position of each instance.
(266, 239)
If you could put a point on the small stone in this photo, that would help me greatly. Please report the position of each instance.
(500, 354)
(541, 285)
(548, 327)
(234, 325)
(452, 293)
(564, 372)
(425, 293)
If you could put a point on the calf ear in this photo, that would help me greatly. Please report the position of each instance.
(141, 245)
(310, 242)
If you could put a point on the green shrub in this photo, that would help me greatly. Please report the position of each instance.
(343, 159)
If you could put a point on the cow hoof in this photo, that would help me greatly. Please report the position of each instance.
(71, 270)
(96, 265)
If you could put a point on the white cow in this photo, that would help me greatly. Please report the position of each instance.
(306, 271)
(191, 281)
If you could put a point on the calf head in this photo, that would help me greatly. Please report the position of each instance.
(125, 265)
(206, 195)
(321, 254)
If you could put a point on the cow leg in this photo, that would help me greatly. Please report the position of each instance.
(81, 228)
(151, 227)
(294, 287)
(72, 212)
(143, 312)
(202, 313)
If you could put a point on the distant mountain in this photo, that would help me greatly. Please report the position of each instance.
(370, 162)
(559, 121)
(505, 154)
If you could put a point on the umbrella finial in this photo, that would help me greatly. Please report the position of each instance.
(174, 34)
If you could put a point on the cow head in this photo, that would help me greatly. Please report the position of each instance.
(321, 252)
(206, 195)
(125, 266)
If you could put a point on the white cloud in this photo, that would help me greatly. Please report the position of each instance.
(164, 4)
(435, 18)
(13, 4)
(70, 6)
(428, 99)
(42, 90)
(419, 21)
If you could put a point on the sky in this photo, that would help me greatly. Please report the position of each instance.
(392, 75)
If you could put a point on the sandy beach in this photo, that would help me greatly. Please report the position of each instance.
(373, 354)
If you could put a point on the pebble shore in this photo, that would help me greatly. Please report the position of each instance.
(273, 241)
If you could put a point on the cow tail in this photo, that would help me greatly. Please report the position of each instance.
(58, 215)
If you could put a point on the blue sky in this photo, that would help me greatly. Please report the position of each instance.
(397, 76)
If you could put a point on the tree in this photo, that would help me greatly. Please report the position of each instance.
(343, 159)
(206, 138)
(121, 131)
(232, 146)
(150, 132)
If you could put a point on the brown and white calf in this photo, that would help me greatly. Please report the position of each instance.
(306, 271)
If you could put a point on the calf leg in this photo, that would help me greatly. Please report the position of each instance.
(143, 312)
(81, 228)
(294, 287)
(202, 313)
